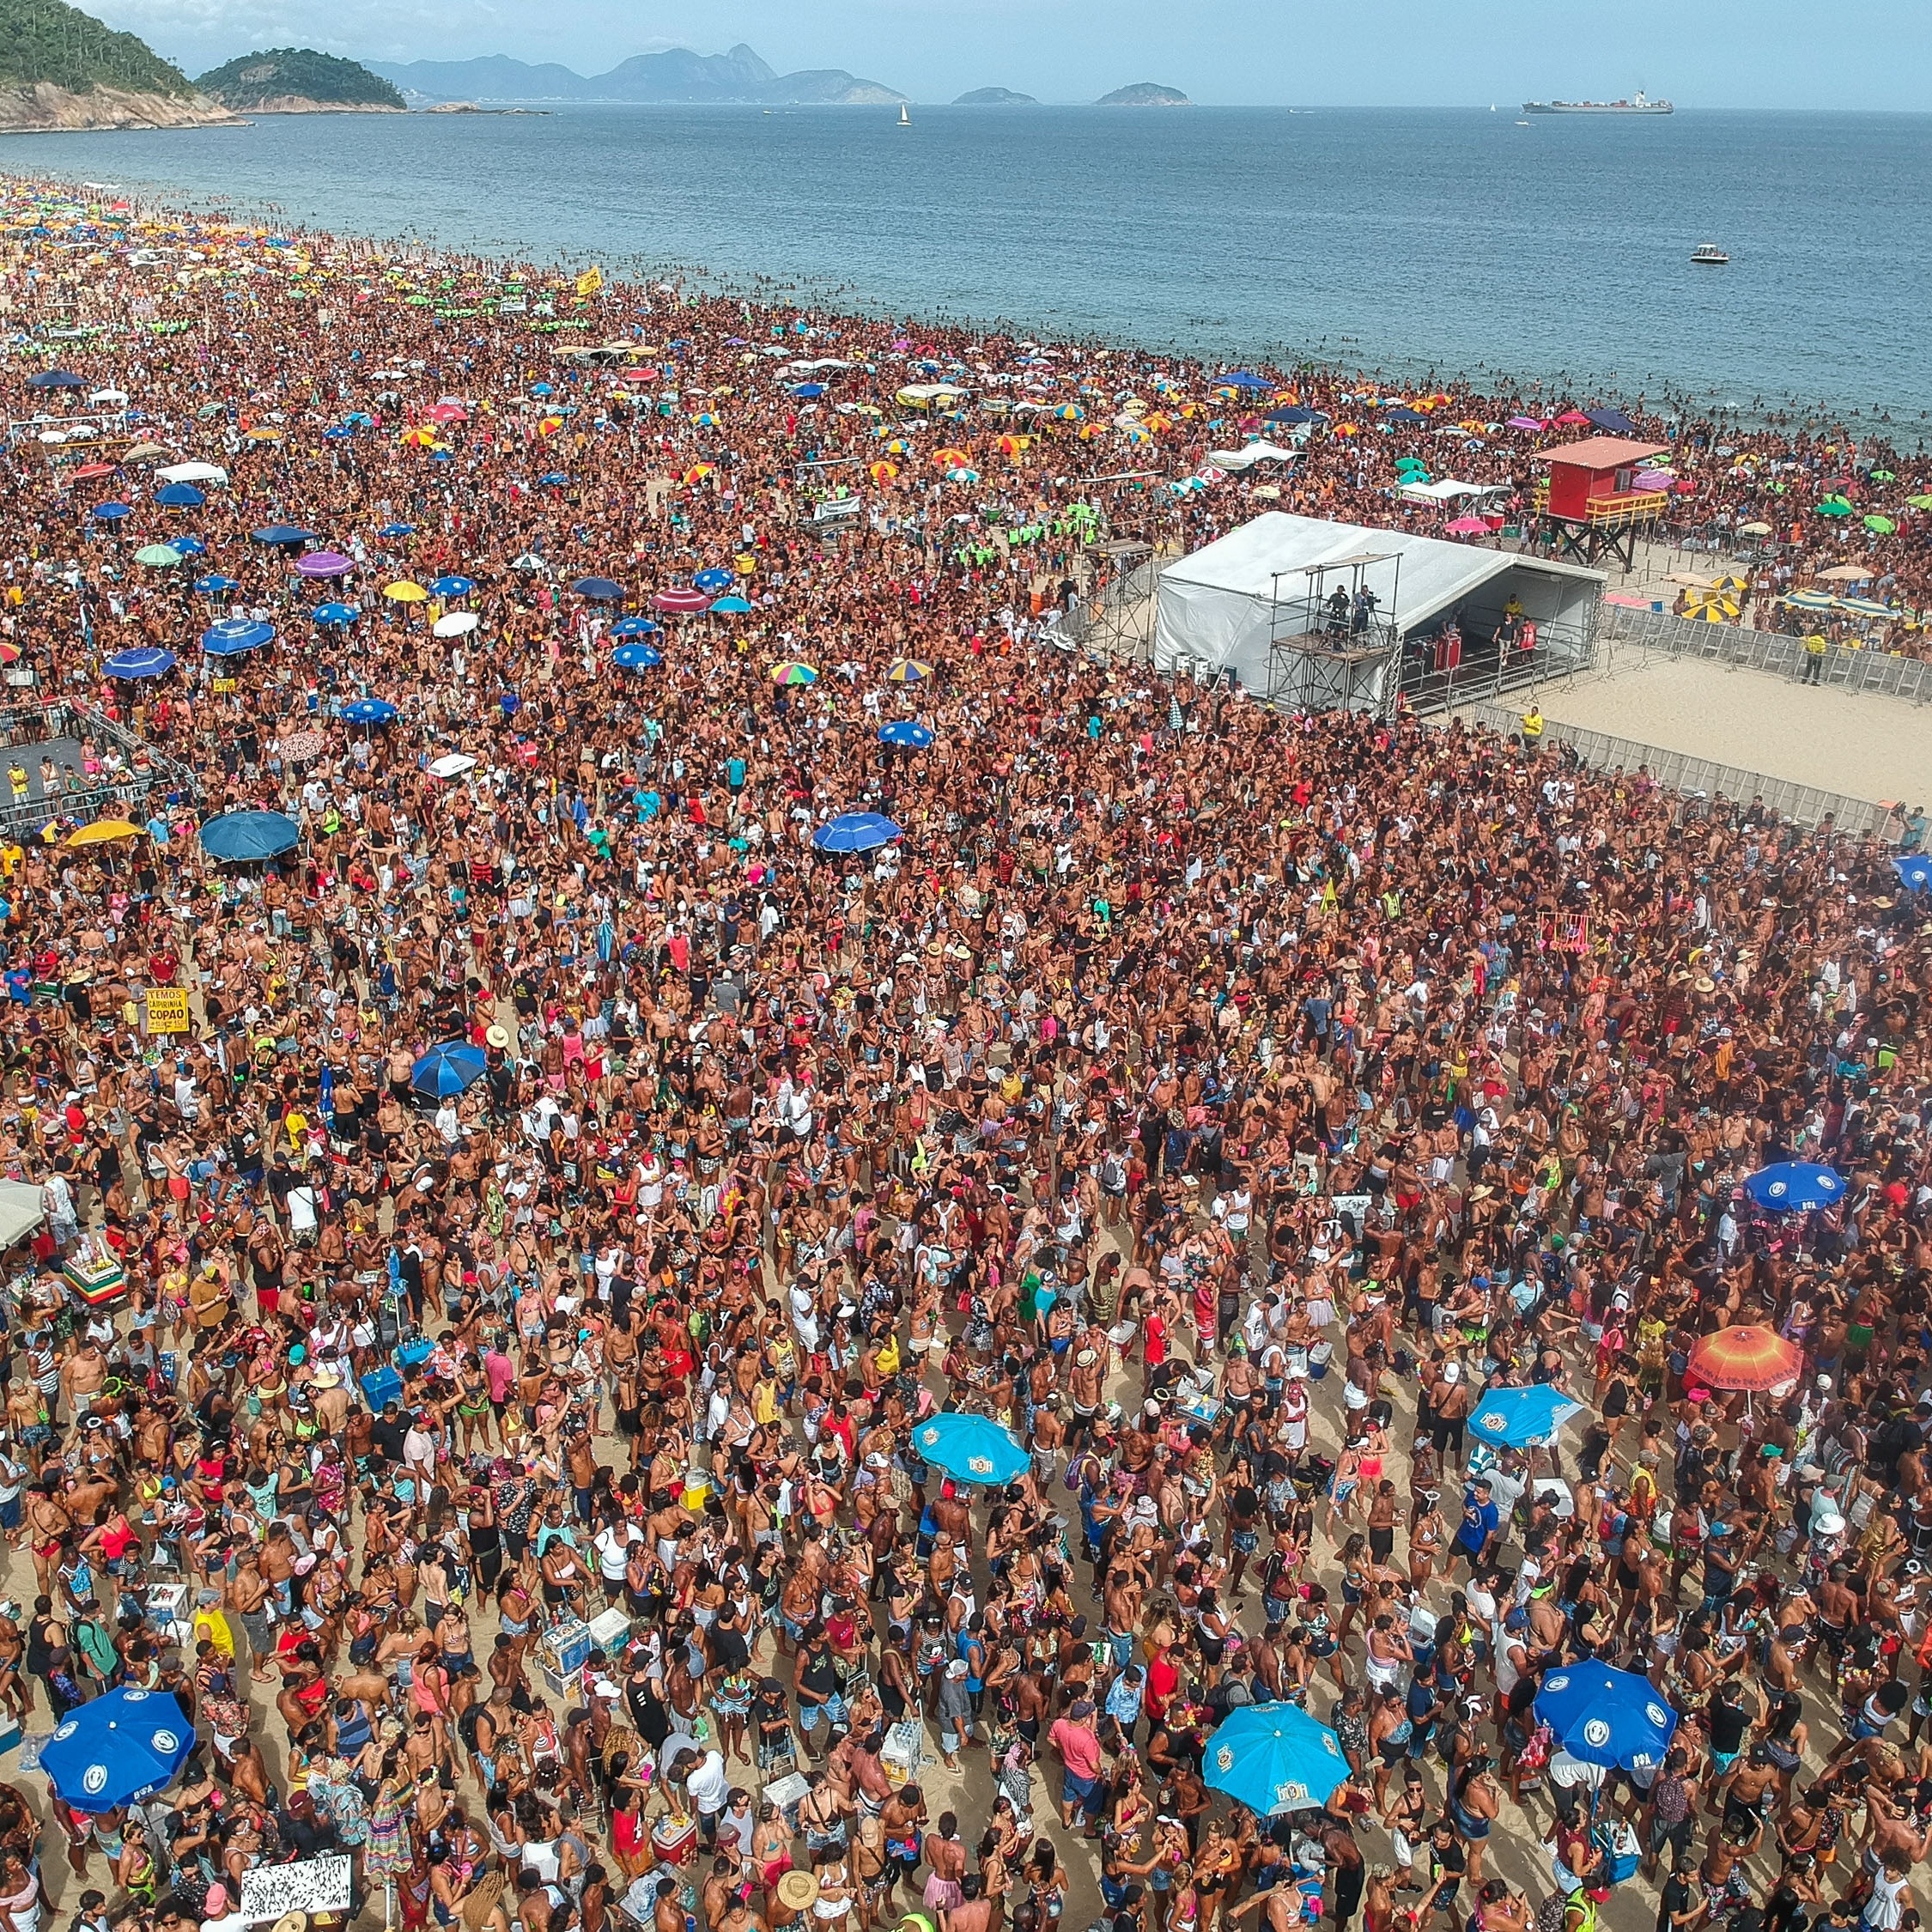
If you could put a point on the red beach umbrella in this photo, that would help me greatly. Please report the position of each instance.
(1747, 1356)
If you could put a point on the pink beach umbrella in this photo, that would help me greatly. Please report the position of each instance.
(1527, 422)
(681, 603)
(1469, 526)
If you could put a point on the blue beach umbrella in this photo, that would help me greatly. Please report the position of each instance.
(447, 1068)
(370, 711)
(109, 513)
(118, 1748)
(234, 635)
(856, 831)
(600, 590)
(1914, 872)
(397, 530)
(636, 657)
(282, 535)
(553, 479)
(250, 834)
(730, 607)
(148, 661)
(1795, 1187)
(808, 390)
(1274, 1759)
(1513, 1417)
(1614, 1718)
(188, 546)
(973, 1447)
(334, 617)
(907, 733)
(715, 579)
(179, 496)
(451, 585)
(215, 585)
(635, 627)
(340, 434)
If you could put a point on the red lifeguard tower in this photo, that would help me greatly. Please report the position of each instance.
(1590, 499)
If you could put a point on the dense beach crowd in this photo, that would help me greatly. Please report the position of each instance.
(1228, 1108)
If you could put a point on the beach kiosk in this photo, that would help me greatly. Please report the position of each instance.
(1590, 503)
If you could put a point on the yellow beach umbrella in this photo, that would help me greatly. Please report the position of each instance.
(404, 592)
(105, 831)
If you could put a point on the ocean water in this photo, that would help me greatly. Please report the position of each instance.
(1444, 241)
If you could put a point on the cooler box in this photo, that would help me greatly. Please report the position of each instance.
(564, 1684)
(566, 1647)
(381, 1386)
(903, 1751)
(610, 1629)
(409, 1353)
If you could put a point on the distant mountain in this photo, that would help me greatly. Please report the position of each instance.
(675, 76)
(60, 67)
(995, 97)
(300, 80)
(1144, 93)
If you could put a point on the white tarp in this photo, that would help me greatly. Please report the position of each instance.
(1449, 489)
(1246, 457)
(1218, 606)
(20, 1211)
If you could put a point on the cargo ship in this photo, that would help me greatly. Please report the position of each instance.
(1639, 103)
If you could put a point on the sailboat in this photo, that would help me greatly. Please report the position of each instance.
(905, 120)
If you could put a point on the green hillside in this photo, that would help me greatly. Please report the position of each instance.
(46, 40)
(255, 78)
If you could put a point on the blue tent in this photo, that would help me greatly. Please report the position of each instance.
(635, 627)
(1614, 1718)
(1274, 1759)
(1404, 415)
(109, 513)
(55, 379)
(972, 1447)
(1296, 413)
(856, 831)
(808, 390)
(334, 617)
(1615, 421)
(234, 635)
(117, 1749)
(250, 834)
(636, 657)
(1512, 1417)
(447, 1068)
(1915, 871)
(1243, 378)
(370, 711)
(909, 732)
(715, 579)
(600, 590)
(215, 585)
(146, 662)
(283, 534)
(451, 585)
(179, 496)
(1795, 1187)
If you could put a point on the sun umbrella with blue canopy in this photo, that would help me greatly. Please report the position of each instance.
(370, 711)
(117, 1749)
(282, 535)
(1274, 1759)
(730, 607)
(179, 496)
(907, 671)
(973, 1447)
(109, 513)
(635, 627)
(334, 617)
(1614, 1718)
(856, 831)
(1513, 1417)
(215, 585)
(188, 546)
(234, 635)
(714, 579)
(149, 661)
(451, 585)
(1795, 1187)
(397, 530)
(808, 390)
(1914, 870)
(600, 590)
(553, 479)
(907, 733)
(1243, 378)
(250, 834)
(447, 1068)
(636, 657)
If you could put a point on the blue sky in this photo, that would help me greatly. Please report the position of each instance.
(1714, 53)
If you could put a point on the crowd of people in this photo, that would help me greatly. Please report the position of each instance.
(1223, 1103)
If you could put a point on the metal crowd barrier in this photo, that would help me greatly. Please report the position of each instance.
(1784, 656)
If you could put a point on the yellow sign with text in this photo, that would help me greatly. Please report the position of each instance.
(167, 1010)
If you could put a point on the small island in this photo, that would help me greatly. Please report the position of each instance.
(61, 69)
(1144, 93)
(995, 97)
(301, 80)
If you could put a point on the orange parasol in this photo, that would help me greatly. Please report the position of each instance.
(1747, 1356)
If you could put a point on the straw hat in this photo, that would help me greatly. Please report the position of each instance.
(798, 1892)
(498, 1037)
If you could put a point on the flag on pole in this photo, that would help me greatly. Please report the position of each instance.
(590, 280)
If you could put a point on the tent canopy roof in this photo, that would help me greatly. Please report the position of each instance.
(1271, 556)
(1601, 452)
(20, 1211)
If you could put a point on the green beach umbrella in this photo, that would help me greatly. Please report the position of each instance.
(1834, 507)
(1883, 525)
(1883, 475)
(163, 556)
(1919, 502)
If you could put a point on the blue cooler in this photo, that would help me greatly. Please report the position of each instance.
(381, 1386)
